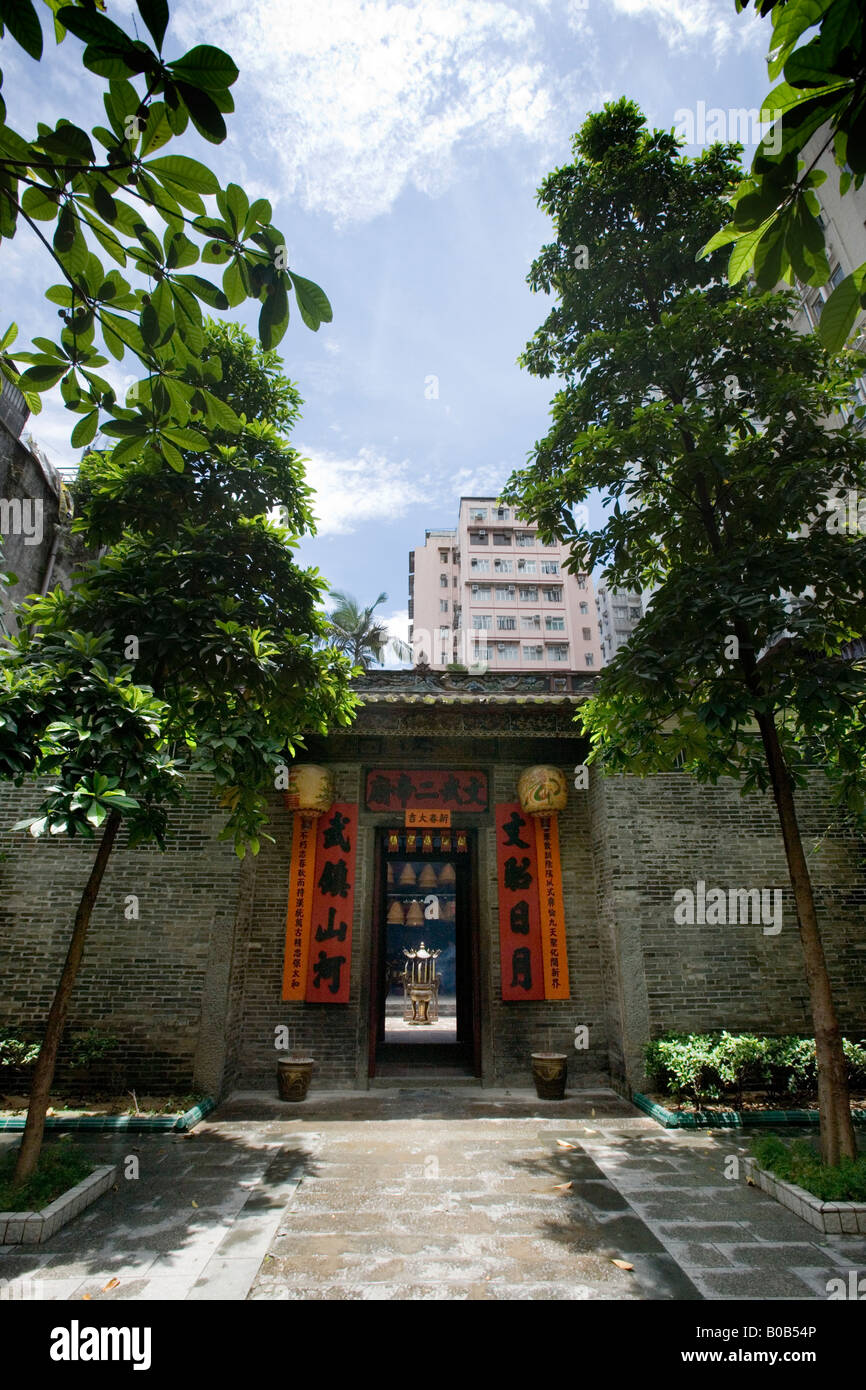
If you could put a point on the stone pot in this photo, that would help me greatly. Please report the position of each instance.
(549, 1072)
(293, 1077)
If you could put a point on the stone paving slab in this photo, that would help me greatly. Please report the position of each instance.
(423, 1193)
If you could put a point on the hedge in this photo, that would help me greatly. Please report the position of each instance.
(716, 1066)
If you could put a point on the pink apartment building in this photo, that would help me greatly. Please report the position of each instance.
(489, 592)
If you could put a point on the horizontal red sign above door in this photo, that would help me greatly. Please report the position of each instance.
(422, 790)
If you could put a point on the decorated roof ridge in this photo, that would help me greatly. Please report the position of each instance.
(424, 685)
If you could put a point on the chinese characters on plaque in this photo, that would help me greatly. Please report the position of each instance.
(519, 923)
(531, 931)
(319, 926)
(390, 789)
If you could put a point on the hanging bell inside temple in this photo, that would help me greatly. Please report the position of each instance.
(415, 915)
(389, 874)
(447, 876)
(395, 914)
(407, 878)
(427, 877)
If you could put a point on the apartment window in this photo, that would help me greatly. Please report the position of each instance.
(550, 567)
(553, 595)
(558, 651)
(587, 634)
(481, 591)
(554, 624)
(837, 276)
(503, 566)
(526, 567)
(455, 557)
(482, 651)
(444, 633)
(507, 651)
(478, 538)
(477, 513)
(531, 620)
(501, 538)
(505, 593)
(619, 611)
(479, 566)
(443, 581)
(454, 581)
(482, 622)
(443, 605)
(550, 545)
(584, 608)
(502, 513)
(524, 538)
(581, 581)
(634, 614)
(533, 653)
(506, 622)
(443, 557)
(529, 595)
(589, 658)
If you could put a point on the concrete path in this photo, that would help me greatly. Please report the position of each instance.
(437, 1193)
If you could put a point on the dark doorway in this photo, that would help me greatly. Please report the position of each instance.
(425, 983)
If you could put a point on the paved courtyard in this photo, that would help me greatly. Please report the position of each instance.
(430, 1193)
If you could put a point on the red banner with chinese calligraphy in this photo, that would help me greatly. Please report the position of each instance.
(390, 789)
(553, 946)
(300, 906)
(520, 949)
(330, 955)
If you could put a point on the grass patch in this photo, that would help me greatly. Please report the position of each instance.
(60, 1167)
(800, 1163)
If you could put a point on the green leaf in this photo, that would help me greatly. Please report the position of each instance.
(155, 15)
(312, 302)
(206, 67)
(204, 112)
(274, 316)
(838, 314)
(721, 238)
(744, 253)
(85, 430)
(22, 21)
(42, 378)
(172, 456)
(202, 289)
(189, 173)
(38, 203)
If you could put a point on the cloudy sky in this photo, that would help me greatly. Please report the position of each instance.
(401, 145)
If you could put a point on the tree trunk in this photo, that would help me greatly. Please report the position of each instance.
(40, 1091)
(834, 1108)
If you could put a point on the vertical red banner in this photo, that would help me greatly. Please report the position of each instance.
(520, 950)
(299, 907)
(330, 956)
(552, 912)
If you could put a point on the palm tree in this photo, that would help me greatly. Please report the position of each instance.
(353, 631)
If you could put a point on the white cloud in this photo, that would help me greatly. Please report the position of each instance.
(480, 482)
(351, 491)
(361, 99)
(398, 626)
(693, 24)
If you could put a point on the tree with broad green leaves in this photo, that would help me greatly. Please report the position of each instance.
(775, 231)
(72, 193)
(702, 415)
(195, 645)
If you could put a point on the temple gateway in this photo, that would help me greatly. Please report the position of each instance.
(447, 892)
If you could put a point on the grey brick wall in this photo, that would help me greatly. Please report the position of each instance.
(192, 989)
